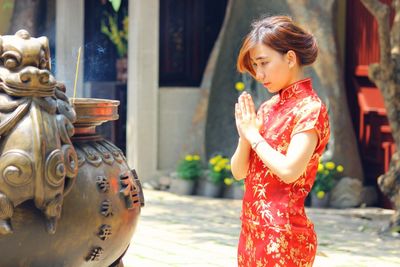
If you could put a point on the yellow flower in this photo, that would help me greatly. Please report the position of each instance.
(320, 194)
(326, 172)
(228, 167)
(213, 161)
(217, 169)
(320, 167)
(239, 86)
(330, 165)
(222, 164)
(339, 168)
(228, 181)
(196, 157)
(216, 160)
(189, 158)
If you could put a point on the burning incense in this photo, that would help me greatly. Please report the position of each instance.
(77, 71)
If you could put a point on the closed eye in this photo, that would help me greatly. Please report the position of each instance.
(262, 64)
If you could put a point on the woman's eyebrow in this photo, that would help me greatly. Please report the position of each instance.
(260, 58)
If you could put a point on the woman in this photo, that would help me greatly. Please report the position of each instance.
(279, 147)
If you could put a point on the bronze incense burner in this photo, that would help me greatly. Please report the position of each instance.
(67, 196)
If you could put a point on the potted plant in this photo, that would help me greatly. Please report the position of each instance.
(325, 180)
(212, 183)
(233, 188)
(188, 172)
(116, 30)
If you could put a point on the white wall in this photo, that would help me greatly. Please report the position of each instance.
(176, 109)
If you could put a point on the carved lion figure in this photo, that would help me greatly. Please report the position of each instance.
(37, 159)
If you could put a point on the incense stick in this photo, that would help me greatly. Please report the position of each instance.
(76, 72)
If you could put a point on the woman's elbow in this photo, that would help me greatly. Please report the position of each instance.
(239, 175)
(239, 172)
(239, 169)
(289, 176)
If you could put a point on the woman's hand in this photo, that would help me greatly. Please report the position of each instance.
(247, 122)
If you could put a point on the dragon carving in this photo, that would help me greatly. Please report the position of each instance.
(37, 159)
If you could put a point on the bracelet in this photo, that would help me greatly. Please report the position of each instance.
(255, 144)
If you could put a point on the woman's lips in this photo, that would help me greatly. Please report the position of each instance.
(266, 84)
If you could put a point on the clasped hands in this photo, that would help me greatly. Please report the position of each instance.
(247, 122)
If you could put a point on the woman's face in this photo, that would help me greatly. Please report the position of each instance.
(271, 67)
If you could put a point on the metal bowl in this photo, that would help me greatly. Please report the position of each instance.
(93, 111)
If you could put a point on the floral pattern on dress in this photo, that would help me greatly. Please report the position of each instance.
(275, 228)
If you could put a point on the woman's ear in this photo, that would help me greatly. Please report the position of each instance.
(291, 58)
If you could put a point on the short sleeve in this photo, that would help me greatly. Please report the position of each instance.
(310, 116)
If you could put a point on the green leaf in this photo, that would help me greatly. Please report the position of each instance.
(116, 4)
(8, 4)
(189, 170)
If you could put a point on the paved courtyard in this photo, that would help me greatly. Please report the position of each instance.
(192, 231)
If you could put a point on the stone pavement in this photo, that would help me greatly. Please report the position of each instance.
(193, 231)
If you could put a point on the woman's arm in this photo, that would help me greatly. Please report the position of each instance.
(291, 166)
(240, 160)
(288, 167)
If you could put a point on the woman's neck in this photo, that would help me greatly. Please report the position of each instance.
(297, 75)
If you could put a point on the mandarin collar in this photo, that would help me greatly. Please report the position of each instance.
(295, 89)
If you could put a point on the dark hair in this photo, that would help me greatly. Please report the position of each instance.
(281, 34)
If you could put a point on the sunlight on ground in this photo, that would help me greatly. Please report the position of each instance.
(193, 231)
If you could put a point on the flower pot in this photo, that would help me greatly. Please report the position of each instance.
(212, 190)
(234, 192)
(238, 191)
(320, 202)
(207, 188)
(182, 187)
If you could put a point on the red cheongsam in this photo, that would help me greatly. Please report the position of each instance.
(275, 228)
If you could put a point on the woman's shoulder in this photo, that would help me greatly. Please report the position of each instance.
(311, 108)
(311, 102)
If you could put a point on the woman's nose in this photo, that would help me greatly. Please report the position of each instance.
(259, 75)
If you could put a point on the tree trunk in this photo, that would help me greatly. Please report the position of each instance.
(318, 16)
(26, 15)
(6, 10)
(213, 124)
(386, 76)
(195, 141)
